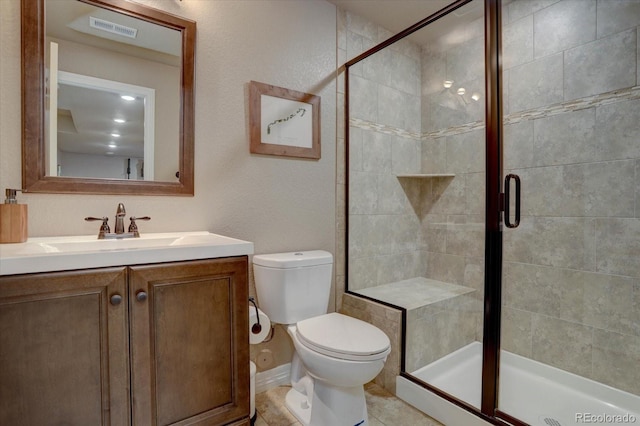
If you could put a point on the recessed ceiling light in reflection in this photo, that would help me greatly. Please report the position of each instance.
(461, 91)
(448, 83)
(119, 120)
(109, 153)
(115, 135)
(128, 98)
(475, 96)
(112, 145)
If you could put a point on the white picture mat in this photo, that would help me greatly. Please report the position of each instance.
(286, 122)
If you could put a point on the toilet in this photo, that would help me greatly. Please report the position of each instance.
(335, 355)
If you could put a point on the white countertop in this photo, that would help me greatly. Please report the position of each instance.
(47, 254)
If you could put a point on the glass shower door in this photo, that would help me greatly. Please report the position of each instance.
(570, 337)
(444, 327)
(416, 177)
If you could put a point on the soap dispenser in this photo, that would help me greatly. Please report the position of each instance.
(13, 219)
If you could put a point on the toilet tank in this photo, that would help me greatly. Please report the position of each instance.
(293, 286)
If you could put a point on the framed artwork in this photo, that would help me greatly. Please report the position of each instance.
(283, 122)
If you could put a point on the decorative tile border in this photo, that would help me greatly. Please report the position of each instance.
(456, 130)
(601, 99)
(383, 128)
(630, 93)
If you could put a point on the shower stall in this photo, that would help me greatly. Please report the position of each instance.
(492, 177)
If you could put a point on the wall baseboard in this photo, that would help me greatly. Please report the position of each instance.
(273, 378)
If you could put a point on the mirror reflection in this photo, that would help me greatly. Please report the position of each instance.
(113, 87)
(101, 129)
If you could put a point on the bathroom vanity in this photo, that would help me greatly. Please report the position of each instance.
(148, 332)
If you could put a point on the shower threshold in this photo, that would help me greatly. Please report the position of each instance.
(533, 392)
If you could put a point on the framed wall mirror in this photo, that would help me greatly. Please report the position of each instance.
(107, 102)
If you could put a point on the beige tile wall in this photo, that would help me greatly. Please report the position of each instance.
(571, 284)
(452, 209)
(388, 320)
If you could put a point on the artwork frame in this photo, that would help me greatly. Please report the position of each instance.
(280, 122)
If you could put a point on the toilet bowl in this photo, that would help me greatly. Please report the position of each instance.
(340, 349)
(339, 372)
(335, 355)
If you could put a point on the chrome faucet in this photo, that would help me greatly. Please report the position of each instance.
(105, 232)
(120, 213)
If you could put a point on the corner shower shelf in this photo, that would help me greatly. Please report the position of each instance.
(426, 175)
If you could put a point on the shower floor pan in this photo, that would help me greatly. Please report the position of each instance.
(533, 392)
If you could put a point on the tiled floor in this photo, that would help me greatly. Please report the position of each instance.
(384, 409)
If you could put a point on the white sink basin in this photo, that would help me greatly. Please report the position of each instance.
(80, 252)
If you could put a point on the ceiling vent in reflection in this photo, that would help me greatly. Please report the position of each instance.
(112, 27)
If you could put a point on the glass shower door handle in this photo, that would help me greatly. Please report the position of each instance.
(507, 201)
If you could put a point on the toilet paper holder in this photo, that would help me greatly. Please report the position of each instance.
(257, 327)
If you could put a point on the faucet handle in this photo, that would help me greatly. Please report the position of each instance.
(133, 227)
(104, 228)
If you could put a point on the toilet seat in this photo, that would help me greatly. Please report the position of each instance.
(349, 338)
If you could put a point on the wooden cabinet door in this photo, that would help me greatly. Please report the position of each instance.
(189, 342)
(64, 349)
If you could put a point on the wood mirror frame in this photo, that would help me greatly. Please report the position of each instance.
(34, 178)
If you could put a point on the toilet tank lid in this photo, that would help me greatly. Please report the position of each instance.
(296, 259)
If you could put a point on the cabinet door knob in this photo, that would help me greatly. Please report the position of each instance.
(141, 296)
(116, 299)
